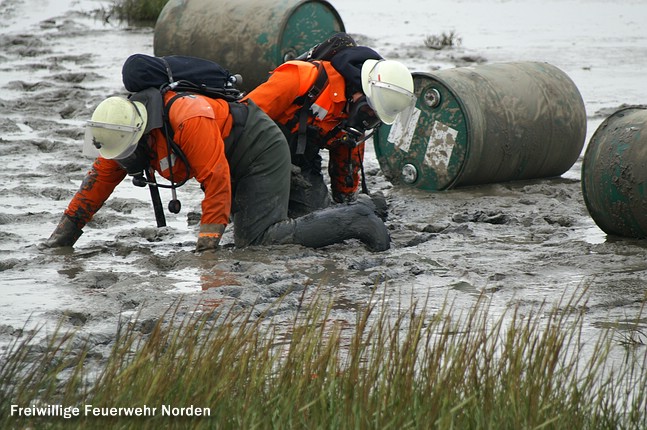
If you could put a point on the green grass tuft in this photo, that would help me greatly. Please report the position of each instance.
(443, 41)
(142, 12)
(390, 368)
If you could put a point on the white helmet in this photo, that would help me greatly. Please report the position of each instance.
(116, 126)
(388, 86)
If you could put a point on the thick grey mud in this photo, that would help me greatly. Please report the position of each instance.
(518, 243)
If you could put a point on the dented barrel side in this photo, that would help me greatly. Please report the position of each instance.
(249, 38)
(485, 124)
(614, 173)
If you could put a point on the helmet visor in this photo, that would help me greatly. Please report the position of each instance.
(116, 127)
(126, 136)
(387, 100)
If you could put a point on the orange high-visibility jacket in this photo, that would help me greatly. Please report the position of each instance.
(293, 79)
(200, 124)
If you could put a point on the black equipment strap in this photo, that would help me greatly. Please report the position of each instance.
(155, 197)
(306, 101)
(173, 147)
(364, 186)
(167, 109)
(167, 66)
(238, 113)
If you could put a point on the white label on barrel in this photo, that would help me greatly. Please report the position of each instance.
(402, 129)
(441, 144)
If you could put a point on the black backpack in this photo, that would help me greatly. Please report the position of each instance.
(328, 48)
(149, 77)
(193, 74)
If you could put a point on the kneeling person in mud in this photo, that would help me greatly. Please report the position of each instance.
(333, 104)
(245, 178)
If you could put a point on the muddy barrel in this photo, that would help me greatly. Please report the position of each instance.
(614, 173)
(485, 124)
(248, 37)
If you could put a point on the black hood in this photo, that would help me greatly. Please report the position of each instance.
(348, 63)
(152, 99)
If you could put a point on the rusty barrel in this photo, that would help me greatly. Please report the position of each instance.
(614, 173)
(484, 124)
(248, 37)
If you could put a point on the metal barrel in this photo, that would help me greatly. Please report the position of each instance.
(248, 37)
(614, 173)
(485, 124)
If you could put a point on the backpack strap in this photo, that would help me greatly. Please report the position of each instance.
(238, 113)
(167, 121)
(306, 101)
(167, 66)
(171, 146)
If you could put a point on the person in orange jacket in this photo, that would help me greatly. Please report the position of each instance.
(245, 178)
(362, 90)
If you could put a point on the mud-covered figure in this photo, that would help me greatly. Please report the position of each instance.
(244, 172)
(333, 104)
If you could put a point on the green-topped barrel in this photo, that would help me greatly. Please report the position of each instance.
(485, 124)
(614, 173)
(248, 37)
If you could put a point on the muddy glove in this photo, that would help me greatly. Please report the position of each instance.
(209, 237)
(66, 234)
(297, 179)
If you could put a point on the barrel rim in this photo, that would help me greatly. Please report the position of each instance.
(290, 11)
(601, 127)
(593, 211)
(468, 126)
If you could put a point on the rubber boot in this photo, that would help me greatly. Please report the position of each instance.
(332, 225)
(65, 234)
(338, 223)
(377, 203)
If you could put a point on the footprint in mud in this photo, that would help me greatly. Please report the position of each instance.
(76, 318)
(562, 221)
(493, 217)
(96, 280)
(23, 45)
